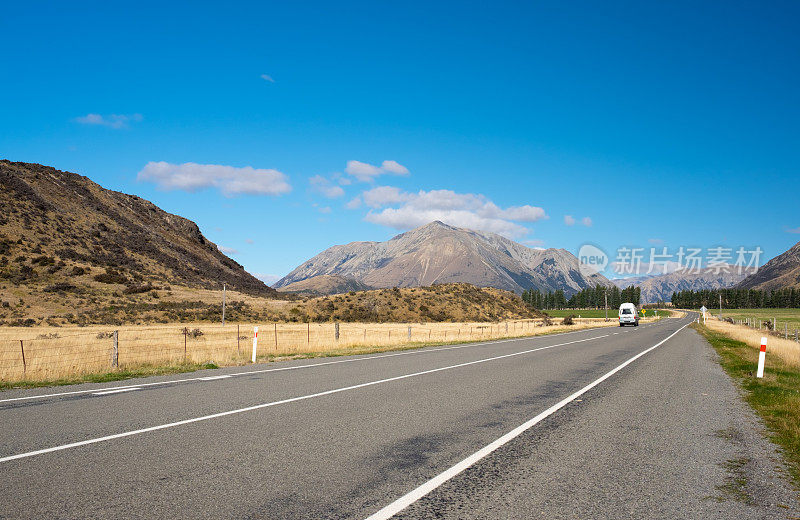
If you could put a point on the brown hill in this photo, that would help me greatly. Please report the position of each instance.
(67, 241)
(781, 272)
(438, 253)
(454, 302)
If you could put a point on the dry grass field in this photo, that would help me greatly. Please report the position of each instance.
(786, 349)
(54, 353)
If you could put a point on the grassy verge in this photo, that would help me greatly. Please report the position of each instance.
(119, 375)
(775, 397)
(154, 370)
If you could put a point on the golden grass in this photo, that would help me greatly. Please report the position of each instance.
(786, 349)
(61, 352)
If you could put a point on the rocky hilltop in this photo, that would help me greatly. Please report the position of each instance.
(781, 272)
(51, 217)
(438, 253)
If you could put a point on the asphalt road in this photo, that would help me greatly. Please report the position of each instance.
(589, 424)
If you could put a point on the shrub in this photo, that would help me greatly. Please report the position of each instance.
(60, 287)
(568, 320)
(43, 260)
(192, 333)
(111, 276)
(137, 289)
(78, 271)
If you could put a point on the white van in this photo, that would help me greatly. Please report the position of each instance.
(628, 314)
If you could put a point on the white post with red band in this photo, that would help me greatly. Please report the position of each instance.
(762, 354)
(255, 342)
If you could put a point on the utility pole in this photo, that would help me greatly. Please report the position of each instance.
(223, 305)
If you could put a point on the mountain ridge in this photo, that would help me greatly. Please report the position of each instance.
(659, 288)
(440, 253)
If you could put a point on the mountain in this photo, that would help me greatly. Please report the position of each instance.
(62, 234)
(781, 272)
(660, 287)
(437, 253)
(325, 284)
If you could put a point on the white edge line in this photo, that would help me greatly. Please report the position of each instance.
(416, 494)
(276, 403)
(117, 391)
(421, 350)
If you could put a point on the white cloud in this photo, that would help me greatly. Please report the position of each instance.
(586, 221)
(228, 250)
(268, 279)
(324, 209)
(394, 167)
(655, 241)
(249, 240)
(115, 121)
(794, 230)
(366, 172)
(354, 203)
(267, 77)
(473, 211)
(228, 179)
(322, 185)
(569, 220)
(384, 196)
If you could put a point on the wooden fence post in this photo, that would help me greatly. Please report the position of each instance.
(185, 334)
(336, 331)
(308, 333)
(115, 351)
(276, 336)
(238, 351)
(24, 364)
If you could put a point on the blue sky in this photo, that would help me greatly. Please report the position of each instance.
(670, 125)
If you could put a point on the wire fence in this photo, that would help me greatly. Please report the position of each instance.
(53, 353)
(774, 327)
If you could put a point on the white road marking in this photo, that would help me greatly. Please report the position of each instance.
(117, 391)
(282, 401)
(214, 378)
(421, 350)
(416, 494)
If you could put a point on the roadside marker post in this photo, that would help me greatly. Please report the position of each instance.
(255, 342)
(762, 354)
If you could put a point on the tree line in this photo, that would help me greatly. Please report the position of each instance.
(737, 298)
(589, 298)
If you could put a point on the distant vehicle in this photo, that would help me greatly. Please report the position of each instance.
(628, 315)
